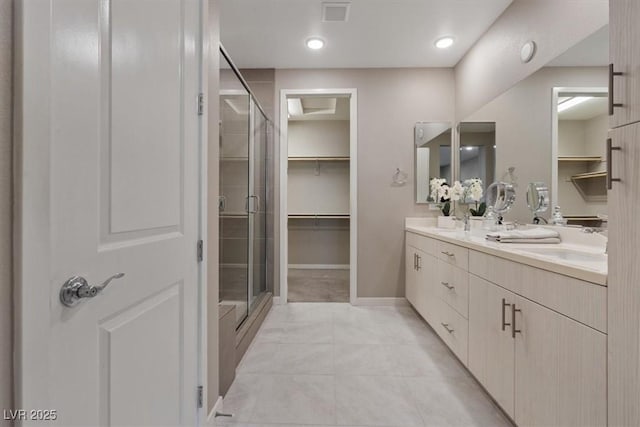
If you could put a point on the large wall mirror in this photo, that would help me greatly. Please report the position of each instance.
(477, 151)
(550, 128)
(432, 144)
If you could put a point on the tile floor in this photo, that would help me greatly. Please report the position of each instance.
(318, 285)
(335, 364)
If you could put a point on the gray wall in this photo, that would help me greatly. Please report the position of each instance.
(523, 126)
(6, 344)
(390, 102)
(493, 64)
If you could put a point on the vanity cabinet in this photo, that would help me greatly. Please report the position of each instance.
(624, 52)
(624, 270)
(491, 346)
(536, 340)
(419, 266)
(542, 366)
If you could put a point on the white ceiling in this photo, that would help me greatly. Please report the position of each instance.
(378, 33)
(319, 108)
(587, 110)
(592, 51)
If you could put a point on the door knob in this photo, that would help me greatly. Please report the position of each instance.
(77, 288)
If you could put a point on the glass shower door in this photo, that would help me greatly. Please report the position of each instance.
(257, 217)
(235, 137)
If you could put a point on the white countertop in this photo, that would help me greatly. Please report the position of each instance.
(591, 267)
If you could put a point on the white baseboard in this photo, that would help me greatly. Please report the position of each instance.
(276, 301)
(319, 266)
(211, 419)
(398, 302)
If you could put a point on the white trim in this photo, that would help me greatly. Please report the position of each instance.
(396, 302)
(276, 301)
(319, 266)
(211, 418)
(353, 185)
(554, 132)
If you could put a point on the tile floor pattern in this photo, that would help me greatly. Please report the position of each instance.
(335, 364)
(318, 285)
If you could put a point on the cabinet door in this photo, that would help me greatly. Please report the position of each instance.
(410, 282)
(624, 276)
(560, 370)
(624, 16)
(491, 349)
(424, 285)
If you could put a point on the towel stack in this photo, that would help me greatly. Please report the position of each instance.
(534, 235)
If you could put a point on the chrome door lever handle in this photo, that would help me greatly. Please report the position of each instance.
(77, 288)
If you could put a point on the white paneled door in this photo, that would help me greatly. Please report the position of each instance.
(108, 136)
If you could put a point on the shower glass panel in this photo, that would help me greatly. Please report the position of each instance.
(258, 220)
(244, 139)
(235, 106)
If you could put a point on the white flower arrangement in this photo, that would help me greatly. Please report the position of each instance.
(443, 194)
(468, 191)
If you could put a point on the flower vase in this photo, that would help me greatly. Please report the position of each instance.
(448, 222)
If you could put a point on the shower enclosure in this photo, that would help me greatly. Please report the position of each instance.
(244, 138)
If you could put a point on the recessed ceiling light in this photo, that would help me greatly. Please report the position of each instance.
(315, 43)
(444, 42)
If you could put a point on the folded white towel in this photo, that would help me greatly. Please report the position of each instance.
(532, 235)
(545, 240)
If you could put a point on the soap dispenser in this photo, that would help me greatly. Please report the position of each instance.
(557, 218)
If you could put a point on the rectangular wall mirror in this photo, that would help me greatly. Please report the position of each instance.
(432, 141)
(477, 151)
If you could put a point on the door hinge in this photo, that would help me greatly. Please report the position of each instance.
(200, 104)
(200, 396)
(200, 251)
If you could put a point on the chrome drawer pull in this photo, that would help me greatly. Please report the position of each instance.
(610, 178)
(612, 104)
(514, 330)
(504, 323)
(447, 253)
(447, 285)
(446, 326)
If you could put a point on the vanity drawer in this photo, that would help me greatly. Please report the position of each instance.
(454, 330)
(454, 255)
(425, 244)
(453, 287)
(582, 301)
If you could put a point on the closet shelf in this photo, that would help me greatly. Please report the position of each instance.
(319, 158)
(589, 175)
(318, 216)
(234, 215)
(579, 158)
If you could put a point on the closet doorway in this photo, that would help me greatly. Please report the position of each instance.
(318, 194)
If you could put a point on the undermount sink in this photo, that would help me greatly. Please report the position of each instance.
(567, 254)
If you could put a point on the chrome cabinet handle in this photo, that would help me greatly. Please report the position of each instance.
(447, 253)
(415, 261)
(419, 265)
(504, 323)
(610, 150)
(447, 285)
(448, 329)
(77, 288)
(514, 330)
(612, 74)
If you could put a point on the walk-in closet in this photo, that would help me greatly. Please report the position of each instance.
(318, 198)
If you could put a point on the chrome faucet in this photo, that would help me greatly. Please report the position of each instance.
(467, 222)
(598, 230)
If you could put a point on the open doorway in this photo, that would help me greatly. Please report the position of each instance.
(318, 196)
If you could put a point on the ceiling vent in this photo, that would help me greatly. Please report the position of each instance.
(335, 12)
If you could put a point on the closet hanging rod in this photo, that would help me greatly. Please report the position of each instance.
(236, 71)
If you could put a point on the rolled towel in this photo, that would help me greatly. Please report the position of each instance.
(533, 235)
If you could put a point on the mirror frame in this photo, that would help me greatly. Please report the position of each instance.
(452, 128)
(554, 131)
